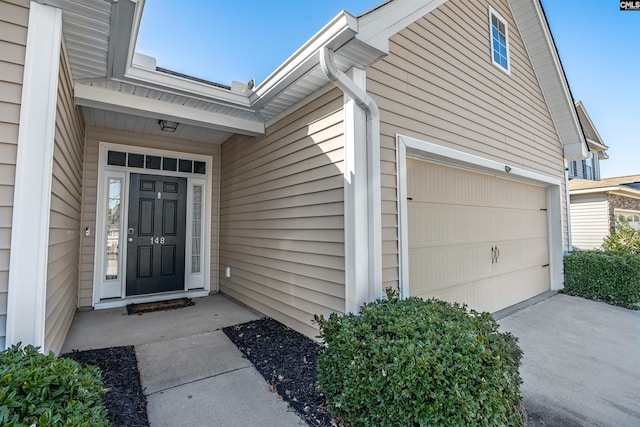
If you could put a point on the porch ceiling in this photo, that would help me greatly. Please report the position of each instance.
(133, 123)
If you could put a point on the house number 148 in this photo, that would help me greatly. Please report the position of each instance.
(157, 240)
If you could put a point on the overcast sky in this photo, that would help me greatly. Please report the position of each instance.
(225, 40)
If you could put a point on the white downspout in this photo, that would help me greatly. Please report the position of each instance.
(568, 202)
(368, 105)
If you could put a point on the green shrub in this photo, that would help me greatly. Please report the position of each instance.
(623, 239)
(409, 362)
(39, 389)
(605, 276)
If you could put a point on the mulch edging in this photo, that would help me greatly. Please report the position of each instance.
(125, 402)
(287, 360)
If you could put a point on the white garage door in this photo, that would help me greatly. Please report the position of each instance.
(474, 237)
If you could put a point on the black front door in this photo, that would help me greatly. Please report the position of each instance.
(156, 234)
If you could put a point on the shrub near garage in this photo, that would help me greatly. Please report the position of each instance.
(612, 277)
(412, 362)
(42, 390)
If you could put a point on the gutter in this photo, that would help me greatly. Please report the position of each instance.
(370, 108)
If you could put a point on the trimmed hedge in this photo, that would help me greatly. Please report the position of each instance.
(413, 362)
(42, 390)
(604, 276)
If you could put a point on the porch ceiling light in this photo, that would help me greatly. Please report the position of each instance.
(168, 126)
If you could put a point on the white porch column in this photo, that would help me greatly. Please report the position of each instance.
(32, 191)
(356, 215)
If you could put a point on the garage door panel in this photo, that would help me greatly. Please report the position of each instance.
(520, 224)
(511, 194)
(455, 218)
(444, 184)
(436, 268)
(517, 255)
(437, 224)
(495, 293)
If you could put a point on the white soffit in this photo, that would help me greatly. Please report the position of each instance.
(539, 44)
(85, 30)
(110, 100)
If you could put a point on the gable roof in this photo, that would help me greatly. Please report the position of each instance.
(594, 140)
(627, 185)
(100, 43)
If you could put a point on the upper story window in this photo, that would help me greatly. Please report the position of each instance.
(573, 169)
(587, 167)
(499, 41)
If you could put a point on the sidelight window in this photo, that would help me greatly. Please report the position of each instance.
(196, 229)
(114, 221)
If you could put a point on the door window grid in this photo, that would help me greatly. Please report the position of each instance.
(134, 160)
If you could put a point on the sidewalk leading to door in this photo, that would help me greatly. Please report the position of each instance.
(191, 373)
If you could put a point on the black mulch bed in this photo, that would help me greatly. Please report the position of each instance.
(125, 403)
(287, 360)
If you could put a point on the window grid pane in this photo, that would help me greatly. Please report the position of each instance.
(499, 42)
(113, 229)
(196, 234)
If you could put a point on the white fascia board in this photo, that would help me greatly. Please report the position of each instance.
(600, 141)
(620, 190)
(110, 100)
(163, 81)
(542, 52)
(592, 190)
(336, 33)
(26, 303)
(595, 145)
(375, 27)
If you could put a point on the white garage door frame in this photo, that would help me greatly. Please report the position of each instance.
(412, 147)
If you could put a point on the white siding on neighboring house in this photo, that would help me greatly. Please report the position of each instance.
(282, 221)
(438, 84)
(14, 17)
(64, 224)
(93, 138)
(589, 220)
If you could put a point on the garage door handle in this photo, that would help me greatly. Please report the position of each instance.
(495, 254)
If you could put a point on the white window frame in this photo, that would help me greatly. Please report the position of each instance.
(492, 13)
(195, 280)
(112, 293)
(626, 213)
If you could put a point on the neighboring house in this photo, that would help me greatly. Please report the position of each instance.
(595, 206)
(588, 168)
(420, 146)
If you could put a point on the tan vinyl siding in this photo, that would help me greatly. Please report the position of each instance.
(90, 180)
(282, 221)
(438, 84)
(64, 224)
(14, 17)
(589, 220)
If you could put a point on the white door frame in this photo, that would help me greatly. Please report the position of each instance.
(112, 293)
(412, 147)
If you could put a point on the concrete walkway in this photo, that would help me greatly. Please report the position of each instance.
(581, 364)
(191, 373)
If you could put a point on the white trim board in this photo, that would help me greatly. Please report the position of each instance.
(116, 292)
(26, 303)
(412, 147)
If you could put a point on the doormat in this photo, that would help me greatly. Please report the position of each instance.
(149, 307)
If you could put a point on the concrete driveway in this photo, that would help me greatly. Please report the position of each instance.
(581, 364)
